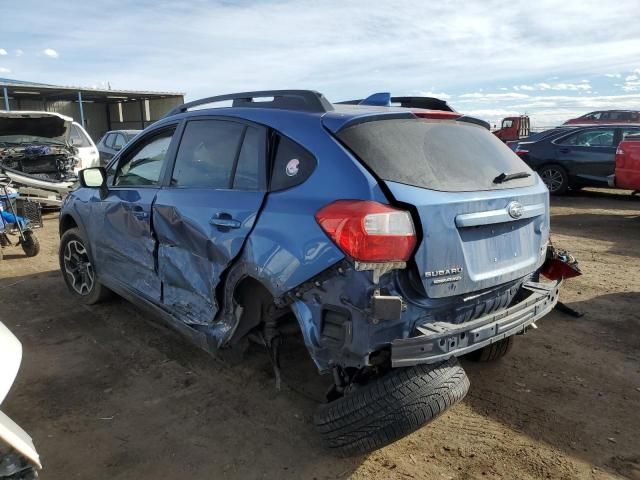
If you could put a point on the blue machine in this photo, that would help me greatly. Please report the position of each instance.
(13, 224)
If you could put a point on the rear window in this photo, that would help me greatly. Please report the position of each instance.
(445, 156)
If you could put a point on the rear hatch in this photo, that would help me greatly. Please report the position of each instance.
(476, 232)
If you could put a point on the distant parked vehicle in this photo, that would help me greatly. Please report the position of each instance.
(627, 174)
(580, 157)
(42, 153)
(112, 142)
(606, 116)
(513, 128)
(536, 136)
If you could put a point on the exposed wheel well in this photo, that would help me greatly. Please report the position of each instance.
(256, 302)
(67, 222)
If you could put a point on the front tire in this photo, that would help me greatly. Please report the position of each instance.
(390, 407)
(555, 178)
(77, 268)
(31, 244)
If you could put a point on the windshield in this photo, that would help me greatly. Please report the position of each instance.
(438, 155)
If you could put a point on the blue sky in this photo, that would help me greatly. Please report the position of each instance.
(550, 59)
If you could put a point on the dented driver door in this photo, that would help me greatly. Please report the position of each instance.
(203, 217)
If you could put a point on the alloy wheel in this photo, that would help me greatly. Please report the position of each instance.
(552, 178)
(78, 267)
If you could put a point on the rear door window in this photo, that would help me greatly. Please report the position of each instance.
(438, 155)
(207, 154)
(601, 137)
(629, 131)
(250, 172)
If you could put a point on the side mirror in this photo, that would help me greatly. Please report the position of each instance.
(76, 142)
(95, 177)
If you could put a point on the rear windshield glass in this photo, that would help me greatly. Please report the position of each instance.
(445, 156)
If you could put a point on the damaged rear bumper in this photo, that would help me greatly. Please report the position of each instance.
(438, 341)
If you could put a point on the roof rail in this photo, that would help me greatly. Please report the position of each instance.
(301, 100)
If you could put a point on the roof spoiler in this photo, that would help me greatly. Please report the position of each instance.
(384, 99)
(300, 100)
(475, 121)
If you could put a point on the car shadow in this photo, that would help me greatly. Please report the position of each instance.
(573, 383)
(11, 256)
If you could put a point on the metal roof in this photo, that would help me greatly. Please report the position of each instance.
(26, 89)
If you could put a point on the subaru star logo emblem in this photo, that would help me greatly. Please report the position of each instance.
(515, 209)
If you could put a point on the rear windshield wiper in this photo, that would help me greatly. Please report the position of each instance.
(503, 177)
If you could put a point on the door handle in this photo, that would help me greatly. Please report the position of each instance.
(139, 212)
(224, 221)
(565, 150)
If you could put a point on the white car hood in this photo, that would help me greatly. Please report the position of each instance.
(41, 124)
(10, 358)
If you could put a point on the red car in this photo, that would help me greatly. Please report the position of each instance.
(606, 116)
(627, 174)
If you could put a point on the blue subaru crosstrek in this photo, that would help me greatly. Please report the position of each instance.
(395, 240)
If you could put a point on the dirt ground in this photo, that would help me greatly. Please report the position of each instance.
(107, 393)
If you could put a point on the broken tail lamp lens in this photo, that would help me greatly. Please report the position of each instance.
(369, 231)
(558, 269)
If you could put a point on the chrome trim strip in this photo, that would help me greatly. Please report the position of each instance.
(491, 217)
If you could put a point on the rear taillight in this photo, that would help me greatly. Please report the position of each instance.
(369, 231)
(520, 152)
(619, 151)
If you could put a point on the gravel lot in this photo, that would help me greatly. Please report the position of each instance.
(107, 393)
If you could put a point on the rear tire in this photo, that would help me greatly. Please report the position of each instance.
(77, 268)
(492, 352)
(555, 178)
(390, 407)
(31, 244)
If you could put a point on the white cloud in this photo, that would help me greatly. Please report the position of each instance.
(631, 86)
(612, 75)
(19, 52)
(50, 52)
(4, 70)
(550, 110)
(221, 46)
(584, 86)
(2, 51)
(492, 96)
